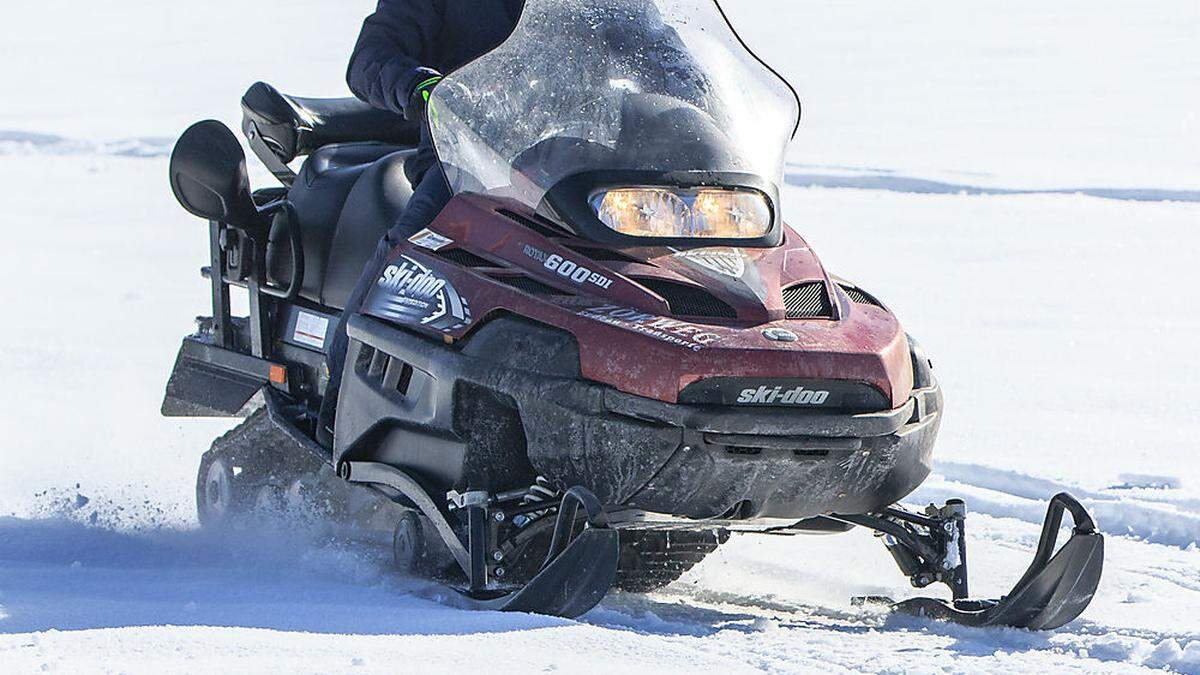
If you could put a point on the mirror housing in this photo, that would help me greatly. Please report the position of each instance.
(209, 177)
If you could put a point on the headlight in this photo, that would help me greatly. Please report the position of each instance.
(706, 213)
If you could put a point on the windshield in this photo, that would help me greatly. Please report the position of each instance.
(628, 87)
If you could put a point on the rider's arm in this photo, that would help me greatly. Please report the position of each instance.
(393, 49)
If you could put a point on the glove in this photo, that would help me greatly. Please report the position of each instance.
(418, 98)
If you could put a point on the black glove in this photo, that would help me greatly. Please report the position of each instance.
(418, 98)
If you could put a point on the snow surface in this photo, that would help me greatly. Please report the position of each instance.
(1018, 181)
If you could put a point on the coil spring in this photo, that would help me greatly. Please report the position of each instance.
(541, 491)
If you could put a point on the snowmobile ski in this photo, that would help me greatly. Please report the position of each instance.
(930, 548)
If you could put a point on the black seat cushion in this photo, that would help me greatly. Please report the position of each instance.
(374, 206)
(346, 197)
(292, 126)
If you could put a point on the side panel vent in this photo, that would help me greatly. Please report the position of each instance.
(388, 372)
(859, 296)
(463, 257)
(807, 301)
(531, 286)
(541, 227)
(604, 254)
(686, 300)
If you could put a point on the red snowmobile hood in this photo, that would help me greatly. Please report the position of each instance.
(652, 321)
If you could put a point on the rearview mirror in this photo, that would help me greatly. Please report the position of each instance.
(209, 177)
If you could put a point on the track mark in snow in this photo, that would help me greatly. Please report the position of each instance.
(23, 143)
(1140, 481)
(690, 611)
(1156, 516)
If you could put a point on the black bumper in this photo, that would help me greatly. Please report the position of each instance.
(736, 464)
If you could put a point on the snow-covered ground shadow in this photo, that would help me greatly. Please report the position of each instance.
(59, 574)
(62, 575)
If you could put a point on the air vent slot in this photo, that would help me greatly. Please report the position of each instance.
(460, 256)
(386, 371)
(859, 296)
(531, 286)
(686, 300)
(398, 376)
(542, 227)
(604, 254)
(807, 301)
(367, 357)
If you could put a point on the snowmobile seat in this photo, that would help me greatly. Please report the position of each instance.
(346, 197)
(281, 128)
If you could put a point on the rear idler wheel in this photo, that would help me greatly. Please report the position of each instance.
(246, 471)
(221, 496)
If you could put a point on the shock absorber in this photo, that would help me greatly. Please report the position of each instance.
(541, 491)
(953, 517)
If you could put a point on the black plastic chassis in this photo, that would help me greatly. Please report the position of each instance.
(654, 464)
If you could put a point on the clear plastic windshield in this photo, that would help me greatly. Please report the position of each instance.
(611, 85)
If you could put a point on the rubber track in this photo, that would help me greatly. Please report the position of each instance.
(651, 560)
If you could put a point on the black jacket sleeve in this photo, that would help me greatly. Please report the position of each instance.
(393, 50)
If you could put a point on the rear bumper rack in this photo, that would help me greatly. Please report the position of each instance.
(209, 380)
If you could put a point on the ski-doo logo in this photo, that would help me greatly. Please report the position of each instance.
(411, 279)
(410, 292)
(660, 328)
(728, 261)
(567, 269)
(779, 395)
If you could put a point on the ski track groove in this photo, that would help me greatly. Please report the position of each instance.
(1082, 637)
(1001, 493)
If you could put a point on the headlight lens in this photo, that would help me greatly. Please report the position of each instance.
(706, 213)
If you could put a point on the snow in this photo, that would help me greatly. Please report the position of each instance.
(1069, 94)
(1018, 182)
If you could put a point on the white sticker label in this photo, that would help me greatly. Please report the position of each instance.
(428, 239)
(311, 330)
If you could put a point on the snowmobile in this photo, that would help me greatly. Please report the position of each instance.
(607, 354)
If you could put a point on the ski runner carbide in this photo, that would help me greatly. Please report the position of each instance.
(606, 356)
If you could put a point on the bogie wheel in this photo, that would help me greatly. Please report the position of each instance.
(408, 545)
